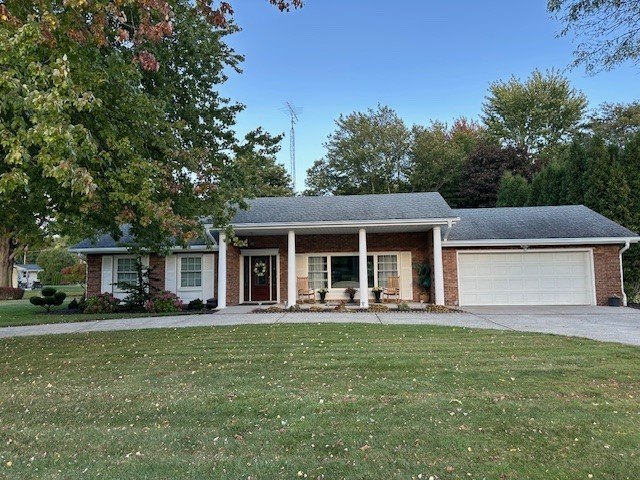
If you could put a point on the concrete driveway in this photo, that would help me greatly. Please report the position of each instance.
(599, 323)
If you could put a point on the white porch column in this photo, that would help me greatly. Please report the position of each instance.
(222, 270)
(292, 279)
(438, 270)
(362, 263)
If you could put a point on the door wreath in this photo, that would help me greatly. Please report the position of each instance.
(260, 269)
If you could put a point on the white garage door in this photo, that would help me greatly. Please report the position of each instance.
(526, 278)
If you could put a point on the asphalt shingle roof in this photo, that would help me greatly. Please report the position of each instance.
(568, 221)
(127, 239)
(399, 206)
(31, 267)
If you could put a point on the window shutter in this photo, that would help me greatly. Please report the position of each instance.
(406, 276)
(106, 282)
(302, 266)
(207, 276)
(171, 274)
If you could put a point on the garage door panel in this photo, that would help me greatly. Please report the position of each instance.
(526, 278)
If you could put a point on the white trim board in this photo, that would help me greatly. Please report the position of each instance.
(525, 242)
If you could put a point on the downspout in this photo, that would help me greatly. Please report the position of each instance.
(627, 244)
(207, 232)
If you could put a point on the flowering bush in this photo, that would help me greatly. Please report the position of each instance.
(103, 303)
(164, 302)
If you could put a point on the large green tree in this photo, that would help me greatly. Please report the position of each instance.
(537, 115)
(109, 113)
(367, 153)
(608, 31)
(513, 191)
(438, 154)
(616, 122)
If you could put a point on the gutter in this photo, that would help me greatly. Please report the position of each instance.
(493, 242)
(622, 250)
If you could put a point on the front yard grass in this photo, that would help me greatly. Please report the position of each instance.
(318, 401)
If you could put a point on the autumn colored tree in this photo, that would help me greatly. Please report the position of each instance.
(109, 114)
(438, 154)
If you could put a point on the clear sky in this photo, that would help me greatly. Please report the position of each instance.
(426, 59)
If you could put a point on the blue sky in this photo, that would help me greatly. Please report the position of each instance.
(426, 59)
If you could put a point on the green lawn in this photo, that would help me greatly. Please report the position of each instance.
(21, 312)
(70, 290)
(318, 401)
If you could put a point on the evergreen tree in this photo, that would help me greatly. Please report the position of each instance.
(549, 186)
(514, 191)
(575, 168)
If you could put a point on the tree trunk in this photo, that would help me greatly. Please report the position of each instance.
(6, 261)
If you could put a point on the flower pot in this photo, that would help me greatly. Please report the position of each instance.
(351, 300)
(424, 297)
(615, 302)
(377, 296)
(323, 296)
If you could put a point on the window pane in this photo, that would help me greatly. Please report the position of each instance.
(345, 272)
(126, 272)
(387, 267)
(318, 277)
(191, 272)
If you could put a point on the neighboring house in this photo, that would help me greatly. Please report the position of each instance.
(25, 275)
(564, 255)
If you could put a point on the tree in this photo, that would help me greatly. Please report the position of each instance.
(368, 153)
(103, 123)
(485, 168)
(616, 122)
(438, 154)
(513, 191)
(549, 186)
(536, 115)
(609, 31)
(53, 261)
(575, 169)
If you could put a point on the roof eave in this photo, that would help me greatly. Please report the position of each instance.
(345, 224)
(501, 242)
(110, 250)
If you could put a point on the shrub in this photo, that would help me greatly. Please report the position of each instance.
(10, 293)
(196, 304)
(50, 298)
(73, 304)
(404, 307)
(102, 303)
(163, 303)
(379, 308)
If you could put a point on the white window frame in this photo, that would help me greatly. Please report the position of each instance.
(375, 255)
(377, 267)
(179, 272)
(326, 271)
(116, 260)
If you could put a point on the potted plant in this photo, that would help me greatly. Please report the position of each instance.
(615, 301)
(323, 294)
(377, 291)
(351, 292)
(424, 280)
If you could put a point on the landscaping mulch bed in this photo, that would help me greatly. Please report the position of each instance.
(429, 308)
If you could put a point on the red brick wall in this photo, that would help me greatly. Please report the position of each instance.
(94, 274)
(157, 276)
(606, 266)
(417, 243)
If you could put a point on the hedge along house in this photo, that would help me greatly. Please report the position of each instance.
(566, 255)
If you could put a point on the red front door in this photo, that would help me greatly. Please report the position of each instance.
(260, 274)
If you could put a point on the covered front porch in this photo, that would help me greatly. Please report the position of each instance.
(271, 263)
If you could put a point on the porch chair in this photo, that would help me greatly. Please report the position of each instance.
(304, 290)
(392, 289)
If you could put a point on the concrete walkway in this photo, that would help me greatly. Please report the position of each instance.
(599, 323)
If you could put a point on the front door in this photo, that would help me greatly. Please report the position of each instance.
(260, 275)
